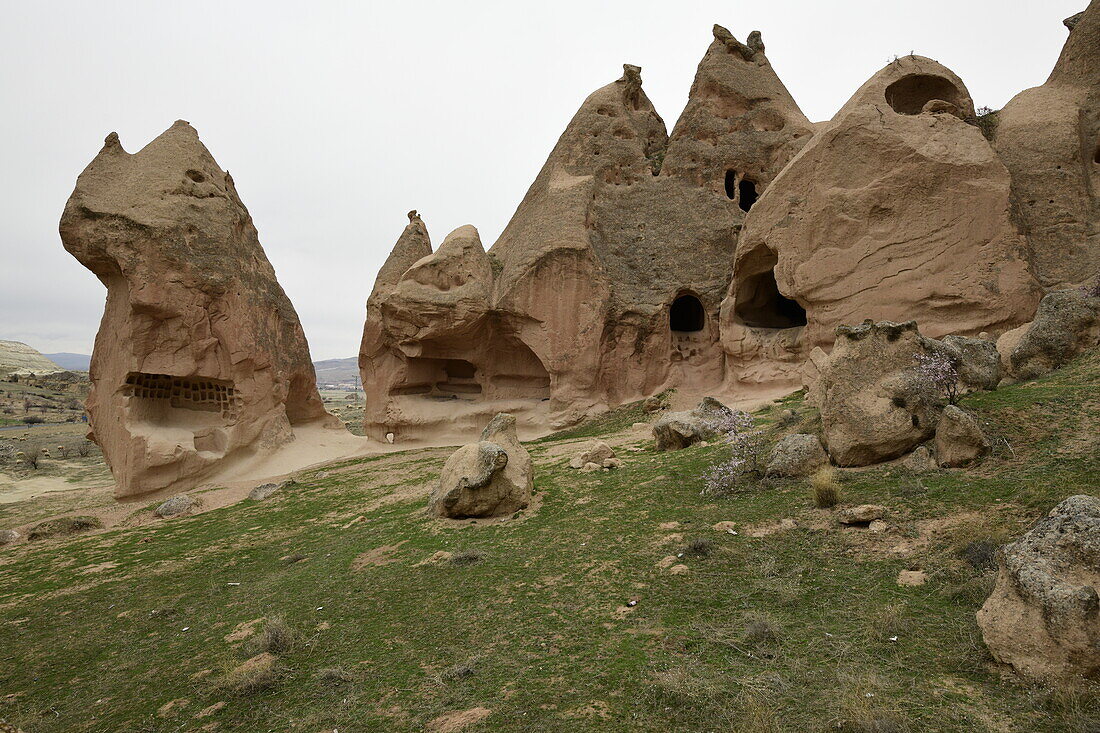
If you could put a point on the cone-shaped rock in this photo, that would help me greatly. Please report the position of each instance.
(200, 358)
(1049, 138)
(897, 209)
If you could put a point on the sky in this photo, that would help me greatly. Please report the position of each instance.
(336, 118)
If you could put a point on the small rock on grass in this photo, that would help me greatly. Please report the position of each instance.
(912, 577)
(862, 514)
(7, 536)
(176, 506)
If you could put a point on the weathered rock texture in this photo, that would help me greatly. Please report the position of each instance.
(677, 430)
(200, 357)
(1043, 617)
(1066, 324)
(897, 209)
(1049, 138)
(874, 404)
(18, 358)
(605, 285)
(959, 438)
(492, 477)
(796, 455)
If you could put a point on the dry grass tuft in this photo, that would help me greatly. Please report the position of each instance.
(825, 487)
(699, 547)
(467, 557)
(63, 527)
(261, 672)
(276, 638)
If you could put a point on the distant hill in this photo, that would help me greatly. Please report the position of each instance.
(16, 356)
(337, 371)
(72, 362)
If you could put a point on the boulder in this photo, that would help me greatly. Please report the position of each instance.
(263, 491)
(492, 477)
(862, 514)
(959, 438)
(676, 430)
(200, 358)
(796, 455)
(8, 536)
(874, 404)
(977, 361)
(920, 460)
(1043, 616)
(894, 209)
(176, 506)
(597, 452)
(1066, 324)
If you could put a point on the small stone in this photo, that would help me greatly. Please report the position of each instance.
(176, 506)
(680, 569)
(912, 577)
(862, 514)
(7, 536)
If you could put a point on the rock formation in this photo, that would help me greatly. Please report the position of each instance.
(796, 455)
(200, 358)
(1066, 324)
(605, 285)
(1043, 617)
(19, 359)
(1049, 138)
(677, 430)
(897, 209)
(490, 478)
(874, 405)
(959, 438)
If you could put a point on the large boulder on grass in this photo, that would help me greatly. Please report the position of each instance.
(596, 452)
(875, 403)
(1066, 324)
(492, 477)
(678, 430)
(1043, 616)
(977, 361)
(796, 455)
(959, 438)
(176, 506)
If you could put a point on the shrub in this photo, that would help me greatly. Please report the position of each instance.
(34, 419)
(467, 557)
(259, 673)
(747, 454)
(276, 638)
(980, 554)
(63, 527)
(699, 547)
(84, 448)
(825, 487)
(940, 373)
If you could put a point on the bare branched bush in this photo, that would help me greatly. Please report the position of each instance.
(467, 557)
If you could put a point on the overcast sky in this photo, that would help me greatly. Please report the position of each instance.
(336, 118)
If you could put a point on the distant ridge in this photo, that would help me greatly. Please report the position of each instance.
(15, 356)
(71, 362)
(337, 371)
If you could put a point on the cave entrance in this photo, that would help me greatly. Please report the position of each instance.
(747, 191)
(909, 94)
(686, 315)
(439, 377)
(731, 185)
(760, 304)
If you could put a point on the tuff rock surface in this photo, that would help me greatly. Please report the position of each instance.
(896, 209)
(796, 455)
(1043, 616)
(959, 438)
(676, 430)
(1049, 139)
(874, 404)
(200, 357)
(492, 477)
(1066, 324)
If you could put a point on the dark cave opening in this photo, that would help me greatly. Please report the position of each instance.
(731, 185)
(761, 305)
(909, 94)
(747, 189)
(686, 315)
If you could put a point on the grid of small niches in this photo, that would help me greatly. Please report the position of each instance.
(206, 395)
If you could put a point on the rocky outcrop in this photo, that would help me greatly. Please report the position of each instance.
(18, 358)
(676, 430)
(897, 209)
(176, 506)
(959, 438)
(874, 404)
(605, 284)
(200, 358)
(1049, 139)
(862, 514)
(596, 453)
(492, 477)
(976, 361)
(1043, 617)
(796, 455)
(1066, 324)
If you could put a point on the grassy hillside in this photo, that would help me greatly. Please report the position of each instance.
(564, 618)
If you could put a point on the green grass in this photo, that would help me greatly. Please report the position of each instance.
(790, 631)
